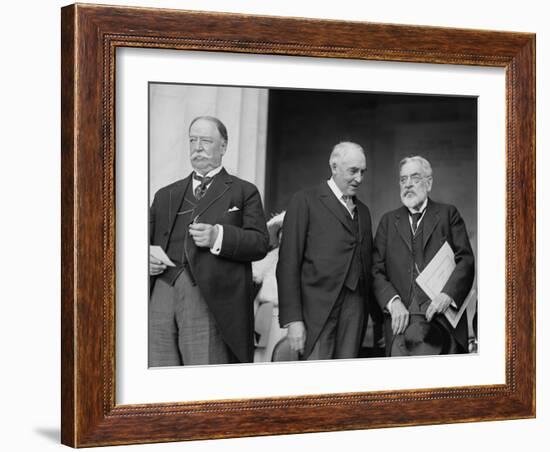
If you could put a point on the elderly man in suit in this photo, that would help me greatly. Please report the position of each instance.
(323, 273)
(212, 226)
(406, 241)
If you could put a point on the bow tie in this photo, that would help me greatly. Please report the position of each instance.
(201, 189)
(202, 179)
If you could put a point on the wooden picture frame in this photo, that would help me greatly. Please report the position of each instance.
(90, 36)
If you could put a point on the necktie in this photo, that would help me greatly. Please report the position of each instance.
(415, 219)
(350, 203)
(201, 189)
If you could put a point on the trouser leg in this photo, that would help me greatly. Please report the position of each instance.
(199, 338)
(162, 327)
(342, 333)
(351, 322)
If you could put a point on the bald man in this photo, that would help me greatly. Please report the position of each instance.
(323, 273)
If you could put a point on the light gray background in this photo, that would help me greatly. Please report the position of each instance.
(29, 329)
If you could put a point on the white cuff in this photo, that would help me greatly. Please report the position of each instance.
(389, 303)
(217, 247)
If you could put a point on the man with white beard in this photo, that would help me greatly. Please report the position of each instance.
(406, 241)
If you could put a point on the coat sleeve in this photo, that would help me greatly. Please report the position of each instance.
(291, 254)
(152, 219)
(153, 215)
(460, 282)
(383, 289)
(250, 241)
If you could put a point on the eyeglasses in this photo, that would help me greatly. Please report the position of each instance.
(415, 179)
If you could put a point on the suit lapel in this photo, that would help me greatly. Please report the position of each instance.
(403, 226)
(220, 185)
(361, 218)
(430, 220)
(175, 200)
(333, 205)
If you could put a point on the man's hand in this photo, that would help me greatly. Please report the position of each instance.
(399, 316)
(439, 305)
(204, 235)
(297, 336)
(156, 267)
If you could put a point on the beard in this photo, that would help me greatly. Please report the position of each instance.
(412, 200)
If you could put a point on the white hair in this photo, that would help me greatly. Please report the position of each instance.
(426, 167)
(341, 149)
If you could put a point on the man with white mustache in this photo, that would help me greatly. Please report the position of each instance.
(212, 226)
(406, 241)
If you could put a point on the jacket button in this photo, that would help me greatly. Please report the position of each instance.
(165, 234)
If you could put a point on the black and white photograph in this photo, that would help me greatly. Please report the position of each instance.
(239, 225)
(296, 224)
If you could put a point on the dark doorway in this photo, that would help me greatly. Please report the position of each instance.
(305, 125)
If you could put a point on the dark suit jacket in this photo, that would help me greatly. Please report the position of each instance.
(225, 281)
(315, 254)
(393, 262)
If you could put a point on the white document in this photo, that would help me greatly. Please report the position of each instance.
(157, 252)
(453, 315)
(436, 274)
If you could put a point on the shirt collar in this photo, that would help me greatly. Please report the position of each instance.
(337, 192)
(213, 172)
(422, 207)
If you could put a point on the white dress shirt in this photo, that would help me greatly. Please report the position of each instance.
(339, 195)
(217, 247)
(422, 209)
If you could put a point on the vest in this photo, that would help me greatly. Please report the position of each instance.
(417, 296)
(355, 271)
(176, 243)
